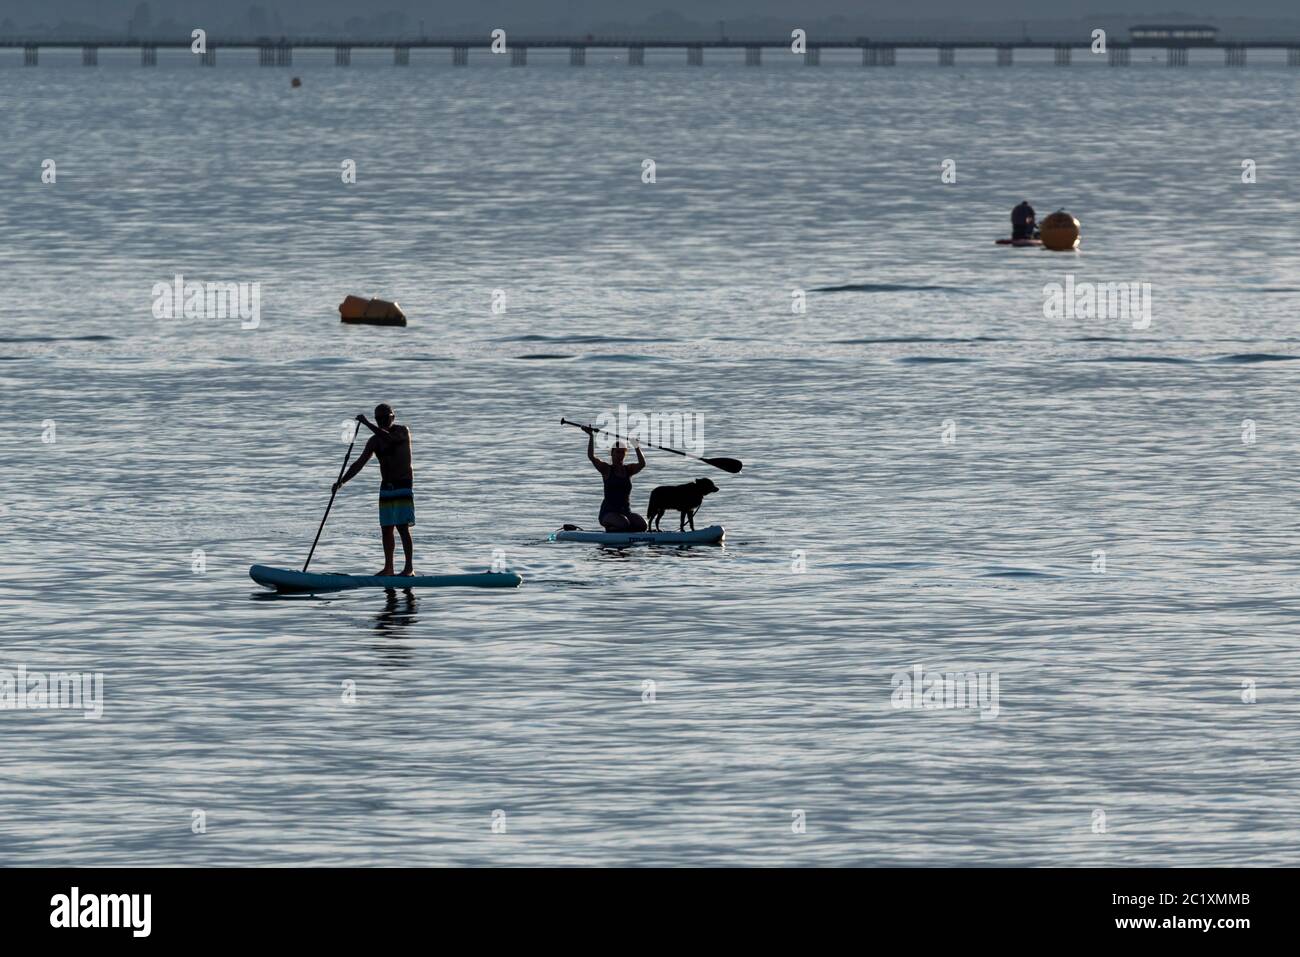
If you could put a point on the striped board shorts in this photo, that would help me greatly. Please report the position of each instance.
(396, 507)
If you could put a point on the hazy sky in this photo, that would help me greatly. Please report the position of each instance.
(569, 16)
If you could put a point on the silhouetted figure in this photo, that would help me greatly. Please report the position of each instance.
(392, 444)
(1022, 221)
(616, 513)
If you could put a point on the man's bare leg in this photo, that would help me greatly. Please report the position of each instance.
(405, 532)
(389, 544)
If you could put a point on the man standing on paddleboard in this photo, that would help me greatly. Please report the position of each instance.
(1022, 221)
(392, 444)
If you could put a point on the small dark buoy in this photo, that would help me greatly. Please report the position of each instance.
(372, 312)
(295, 82)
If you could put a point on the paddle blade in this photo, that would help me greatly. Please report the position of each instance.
(727, 465)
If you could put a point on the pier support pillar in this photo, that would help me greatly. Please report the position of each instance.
(887, 55)
(519, 56)
(31, 55)
(342, 55)
(753, 56)
(275, 54)
(1293, 56)
(1062, 55)
(695, 56)
(1234, 56)
(636, 56)
(812, 56)
(1117, 56)
(1176, 56)
(946, 56)
(401, 56)
(577, 56)
(460, 56)
(90, 56)
(148, 54)
(208, 57)
(1004, 56)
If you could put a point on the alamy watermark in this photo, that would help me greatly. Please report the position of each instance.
(24, 690)
(946, 690)
(1098, 300)
(208, 300)
(75, 909)
(678, 430)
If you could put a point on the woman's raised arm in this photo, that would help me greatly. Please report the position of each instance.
(591, 451)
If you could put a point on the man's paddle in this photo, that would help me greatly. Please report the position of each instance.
(727, 465)
(333, 491)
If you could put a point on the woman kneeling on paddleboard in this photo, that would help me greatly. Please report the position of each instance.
(616, 513)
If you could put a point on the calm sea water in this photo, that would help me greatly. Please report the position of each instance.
(1121, 737)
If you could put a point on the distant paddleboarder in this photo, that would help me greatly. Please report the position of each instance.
(392, 444)
(616, 513)
(1022, 221)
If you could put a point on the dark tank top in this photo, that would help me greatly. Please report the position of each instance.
(618, 492)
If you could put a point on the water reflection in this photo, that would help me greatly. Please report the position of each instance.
(398, 612)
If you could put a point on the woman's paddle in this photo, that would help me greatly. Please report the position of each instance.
(727, 465)
(333, 491)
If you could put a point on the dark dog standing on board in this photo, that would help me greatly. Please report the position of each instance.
(680, 498)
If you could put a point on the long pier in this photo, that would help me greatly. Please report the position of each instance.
(279, 52)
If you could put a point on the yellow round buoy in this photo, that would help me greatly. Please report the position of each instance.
(1059, 231)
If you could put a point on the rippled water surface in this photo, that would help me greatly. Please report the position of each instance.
(1170, 448)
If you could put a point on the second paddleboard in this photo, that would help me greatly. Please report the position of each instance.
(702, 536)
